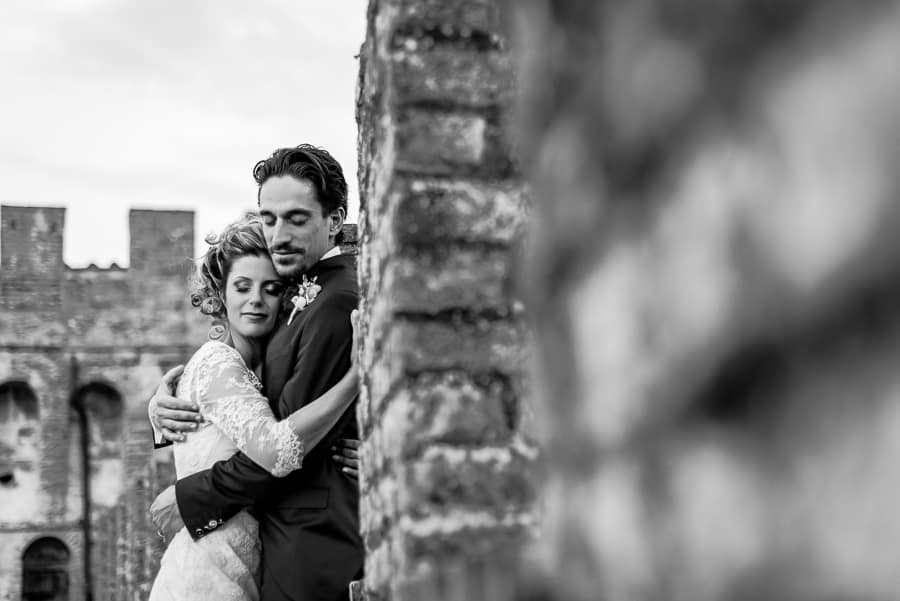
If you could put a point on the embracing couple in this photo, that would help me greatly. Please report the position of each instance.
(262, 508)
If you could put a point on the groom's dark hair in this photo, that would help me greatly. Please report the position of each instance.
(311, 163)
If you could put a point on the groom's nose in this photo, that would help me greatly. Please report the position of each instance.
(279, 234)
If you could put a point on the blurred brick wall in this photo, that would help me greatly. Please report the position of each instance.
(715, 278)
(62, 329)
(447, 493)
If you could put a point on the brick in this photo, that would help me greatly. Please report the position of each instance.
(351, 239)
(40, 231)
(451, 408)
(494, 480)
(479, 346)
(467, 575)
(390, 433)
(474, 15)
(363, 403)
(439, 279)
(161, 242)
(438, 408)
(445, 209)
(463, 78)
(381, 566)
(378, 510)
(465, 533)
(437, 142)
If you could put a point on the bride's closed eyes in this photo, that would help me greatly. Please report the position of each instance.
(253, 295)
(272, 288)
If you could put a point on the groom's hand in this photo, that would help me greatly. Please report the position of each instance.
(170, 415)
(165, 516)
(346, 453)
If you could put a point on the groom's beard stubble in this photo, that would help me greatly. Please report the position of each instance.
(290, 263)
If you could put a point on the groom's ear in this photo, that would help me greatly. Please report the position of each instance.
(336, 221)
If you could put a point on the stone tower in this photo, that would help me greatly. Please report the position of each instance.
(81, 350)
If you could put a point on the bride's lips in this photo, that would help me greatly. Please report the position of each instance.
(255, 316)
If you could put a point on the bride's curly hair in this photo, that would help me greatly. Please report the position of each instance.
(239, 239)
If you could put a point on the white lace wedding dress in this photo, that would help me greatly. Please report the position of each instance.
(224, 564)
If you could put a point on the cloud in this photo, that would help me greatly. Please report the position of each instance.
(111, 105)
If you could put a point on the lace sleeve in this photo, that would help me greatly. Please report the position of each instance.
(229, 397)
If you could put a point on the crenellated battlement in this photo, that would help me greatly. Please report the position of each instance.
(45, 302)
(31, 240)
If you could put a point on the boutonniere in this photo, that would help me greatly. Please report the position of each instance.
(306, 293)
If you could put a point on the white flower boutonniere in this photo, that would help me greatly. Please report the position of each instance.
(306, 293)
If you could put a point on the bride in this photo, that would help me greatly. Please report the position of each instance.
(236, 281)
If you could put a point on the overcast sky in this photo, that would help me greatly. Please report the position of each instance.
(115, 104)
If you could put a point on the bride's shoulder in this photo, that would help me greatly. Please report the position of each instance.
(213, 351)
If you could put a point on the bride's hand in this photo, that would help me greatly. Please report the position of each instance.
(357, 334)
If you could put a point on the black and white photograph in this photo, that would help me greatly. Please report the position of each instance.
(449, 300)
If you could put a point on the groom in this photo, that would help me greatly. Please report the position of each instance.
(308, 520)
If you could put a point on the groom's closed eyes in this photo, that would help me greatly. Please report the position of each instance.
(294, 217)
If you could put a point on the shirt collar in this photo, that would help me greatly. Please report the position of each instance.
(334, 252)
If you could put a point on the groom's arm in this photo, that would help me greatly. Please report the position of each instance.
(209, 498)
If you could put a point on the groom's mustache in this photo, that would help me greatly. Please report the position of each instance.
(283, 249)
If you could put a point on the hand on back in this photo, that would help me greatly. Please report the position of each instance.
(173, 416)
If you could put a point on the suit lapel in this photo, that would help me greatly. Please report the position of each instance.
(282, 348)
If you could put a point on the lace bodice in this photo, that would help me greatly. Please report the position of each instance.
(237, 416)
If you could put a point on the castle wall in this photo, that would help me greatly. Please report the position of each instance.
(14, 542)
(66, 332)
(446, 483)
(714, 280)
(30, 282)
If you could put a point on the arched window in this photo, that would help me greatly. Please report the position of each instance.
(100, 406)
(45, 571)
(17, 400)
(99, 418)
(19, 430)
(103, 406)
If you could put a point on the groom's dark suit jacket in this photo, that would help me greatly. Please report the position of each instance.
(309, 521)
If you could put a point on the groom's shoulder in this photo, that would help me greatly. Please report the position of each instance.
(342, 280)
(339, 299)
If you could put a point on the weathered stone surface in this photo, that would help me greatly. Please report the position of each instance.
(162, 242)
(437, 142)
(482, 345)
(431, 210)
(445, 74)
(67, 334)
(493, 480)
(471, 16)
(436, 279)
(716, 192)
(443, 474)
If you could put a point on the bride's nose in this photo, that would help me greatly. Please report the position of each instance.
(256, 297)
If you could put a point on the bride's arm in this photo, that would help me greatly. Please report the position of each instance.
(313, 421)
(229, 400)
